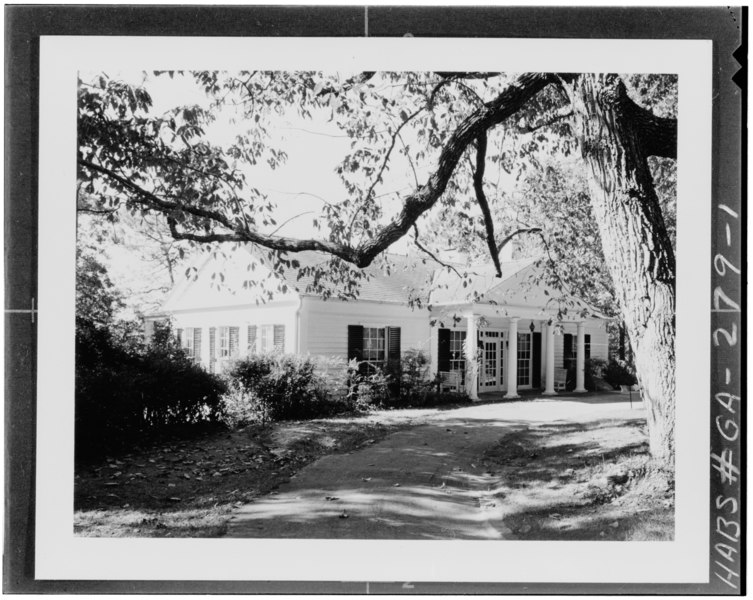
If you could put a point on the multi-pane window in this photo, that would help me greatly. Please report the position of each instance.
(524, 359)
(190, 340)
(457, 353)
(224, 339)
(266, 339)
(373, 345)
(189, 345)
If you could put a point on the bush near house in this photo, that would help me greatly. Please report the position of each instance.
(276, 387)
(279, 387)
(592, 371)
(128, 393)
(619, 372)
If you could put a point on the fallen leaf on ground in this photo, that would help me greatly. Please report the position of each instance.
(396, 485)
(366, 478)
(331, 498)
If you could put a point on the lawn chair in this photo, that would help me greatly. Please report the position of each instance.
(560, 379)
(449, 381)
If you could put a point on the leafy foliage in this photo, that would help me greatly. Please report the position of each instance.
(129, 395)
(278, 387)
(619, 372)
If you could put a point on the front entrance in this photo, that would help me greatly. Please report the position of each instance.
(491, 361)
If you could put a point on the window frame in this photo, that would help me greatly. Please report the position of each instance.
(374, 357)
(223, 348)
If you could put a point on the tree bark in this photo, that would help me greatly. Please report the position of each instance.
(637, 248)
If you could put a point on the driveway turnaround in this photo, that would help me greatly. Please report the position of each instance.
(424, 483)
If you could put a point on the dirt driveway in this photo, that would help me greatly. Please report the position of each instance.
(430, 482)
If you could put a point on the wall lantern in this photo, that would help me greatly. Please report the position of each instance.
(532, 327)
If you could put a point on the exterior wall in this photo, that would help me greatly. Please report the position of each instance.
(324, 324)
(599, 341)
(242, 317)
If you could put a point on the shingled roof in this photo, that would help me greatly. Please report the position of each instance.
(409, 277)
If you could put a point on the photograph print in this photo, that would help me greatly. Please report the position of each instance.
(376, 305)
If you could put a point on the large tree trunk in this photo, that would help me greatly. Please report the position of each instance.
(636, 245)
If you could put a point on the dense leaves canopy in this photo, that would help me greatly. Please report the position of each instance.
(427, 159)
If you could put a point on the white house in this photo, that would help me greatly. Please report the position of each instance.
(520, 343)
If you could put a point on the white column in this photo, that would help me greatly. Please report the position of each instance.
(471, 357)
(549, 360)
(512, 360)
(580, 360)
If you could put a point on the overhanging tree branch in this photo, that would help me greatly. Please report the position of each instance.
(478, 186)
(507, 239)
(506, 104)
(433, 256)
(549, 119)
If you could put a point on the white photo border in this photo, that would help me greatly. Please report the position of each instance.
(62, 556)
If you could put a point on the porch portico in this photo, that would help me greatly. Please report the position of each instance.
(511, 349)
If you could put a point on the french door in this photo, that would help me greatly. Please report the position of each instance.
(491, 363)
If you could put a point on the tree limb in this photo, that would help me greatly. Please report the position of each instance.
(506, 104)
(378, 177)
(424, 249)
(234, 234)
(349, 83)
(478, 186)
(507, 239)
(548, 119)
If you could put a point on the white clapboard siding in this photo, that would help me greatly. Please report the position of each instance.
(324, 324)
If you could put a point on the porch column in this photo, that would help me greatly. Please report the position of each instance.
(549, 364)
(580, 360)
(471, 357)
(512, 360)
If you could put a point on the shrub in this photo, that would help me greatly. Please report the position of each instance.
(619, 372)
(415, 371)
(277, 387)
(370, 389)
(592, 370)
(127, 393)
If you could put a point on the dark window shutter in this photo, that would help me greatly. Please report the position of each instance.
(536, 363)
(567, 350)
(588, 346)
(393, 343)
(355, 342)
(212, 348)
(251, 339)
(279, 338)
(179, 335)
(443, 346)
(197, 344)
(233, 341)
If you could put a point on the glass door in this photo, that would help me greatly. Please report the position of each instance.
(490, 367)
